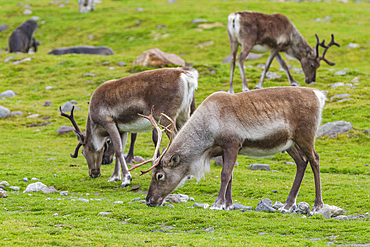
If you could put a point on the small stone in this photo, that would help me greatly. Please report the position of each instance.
(259, 167)
(209, 229)
(8, 59)
(49, 190)
(191, 199)
(301, 208)
(3, 194)
(272, 75)
(8, 94)
(171, 1)
(3, 27)
(83, 200)
(352, 46)
(333, 128)
(277, 205)
(170, 205)
(14, 188)
(367, 131)
(135, 187)
(2, 186)
(33, 116)
(356, 80)
(274, 191)
(35, 179)
(104, 213)
(47, 103)
(49, 87)
(34, 187)
(341, 217)
(121, 63)
(176, 198)
(35, 18)
(136, 199)
(27, 12)
(89, 74)
(54, 215)
(63, 193)
(64, 129)
(68, 107)
(197, 20)
(4, 112)
(16, 113)
(343, 95)
(140, 9)
(265, 205)
(25, 179)
(118, 202)
(91, 36)
(237, 206)
(138, 159)
(340, 72)
(5, 183)
(201, 205)
(340, 84)
(27, 59)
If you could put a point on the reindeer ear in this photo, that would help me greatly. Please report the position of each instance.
(80, 137)
(308, 50)
(175, 159)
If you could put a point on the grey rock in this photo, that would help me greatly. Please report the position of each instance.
(352, 46)
(329, 211)
(27, 12)
(35, 18)
(2, 186)
(341, 217)
(3, 27)
(201, 205)
(5, 183)
(259, 167)
(47, 103)
(25, 179)
(265, 205)
(301, 208)
(121, 63)
(341, 84)
(170, 205)
(197, 20)
(8, 59)
(191, 199)
(277, 205)
(63, 193)
(3, 194)
(83, 200)
(54, 215)
(16, 113)
(176, 198)
(367, 131)
(237, 206)
(15, 188)
(171, 1)
(290, 163)
(27, 59)
(49, 190)
(342, 100)
(89, 74)
(68, 106)
(136, 199)
(140, 9)
(4, 112)
(35, 179)
(340, 72)
(8, 94)
(104, 213)
(272, 75)
(356, 79)
(33, 116)
(209, 229)
(64, 129)
(34, 187)
(118, 202)
(342, 95)
(334, 128)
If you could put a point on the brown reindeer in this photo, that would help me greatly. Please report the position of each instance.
(261, 33)
(258, 123)
(115, 105)
(21, 39)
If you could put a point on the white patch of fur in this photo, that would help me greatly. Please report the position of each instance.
(139, 125)
(233, 26)
(200, 167)
(262, 153)
(322, 98)
(261, 49)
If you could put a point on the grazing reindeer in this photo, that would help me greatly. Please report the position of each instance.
(86, 5)
(261, 33)
(258, 123)
(114, 108)
(83, 49)
(21, 39)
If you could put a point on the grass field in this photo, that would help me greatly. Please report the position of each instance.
(26, 219)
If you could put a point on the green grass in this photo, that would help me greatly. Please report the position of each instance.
(26, 219)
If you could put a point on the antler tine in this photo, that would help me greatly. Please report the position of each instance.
(76, 151)
(71, 118)
(332, 42)
(318, 43)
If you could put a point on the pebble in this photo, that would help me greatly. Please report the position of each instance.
(343, 95)
(140, 9)
(277, 205)
(89, 74)
(237, 206)
(35, 179)
(340, 84)
(201, 205)
(2, 186)
(49, 87)
(197, 20)
(54, 215)
(272, 75)
(5, 183)
(67, 106)
(34, 187)
(64, 129)
(3, 194)
(27, 12)
(340, 72)
(8, 59)
(352, 46)
(27, 59)
(257, 166)
(301, 208)
(118, 202)
(25, 179)
(33, 116)
(16, 113)
(121, 63)
(83, 200)
(49, 190)
(15, 188)
(63, 193)
(4, 112)
(3, 27)
(334, 128)
(8, 94)
(176, 198)
(47, 103)
(104, 213)
(290, 163)
(265, 205)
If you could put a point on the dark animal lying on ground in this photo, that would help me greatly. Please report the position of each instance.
(85, 49)
(21, 39)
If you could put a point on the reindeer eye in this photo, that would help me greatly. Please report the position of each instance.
(160, 176)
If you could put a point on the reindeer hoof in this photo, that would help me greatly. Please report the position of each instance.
(126, 180)
(217, 207)
(296, 84)
(114, 179)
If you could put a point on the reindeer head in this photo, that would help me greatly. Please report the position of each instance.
(311, 62)
(92, 155)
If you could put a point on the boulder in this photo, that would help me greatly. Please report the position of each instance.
(259, 167)
(4, 112)
(157, 58)
(265, 205)
(8, 94)
(334, 128)
(64, 129)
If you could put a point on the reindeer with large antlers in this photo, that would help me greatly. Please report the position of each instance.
(262, 33)
(258, 123)
(115, 107)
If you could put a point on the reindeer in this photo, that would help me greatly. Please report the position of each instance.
(261, 33)
(258, 123)
(86, 5)
(21, 39)
(114, 108)
(83, 49)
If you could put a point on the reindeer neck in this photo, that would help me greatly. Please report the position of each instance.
(299, 47)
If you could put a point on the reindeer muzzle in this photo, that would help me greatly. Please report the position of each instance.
(94, 173)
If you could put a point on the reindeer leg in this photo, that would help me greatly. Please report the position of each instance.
(224, 198)
(130, 155)
(267, 66)
(315, 165)
(298, 157)
(242, 57)
(285, 67)
(234, 49)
